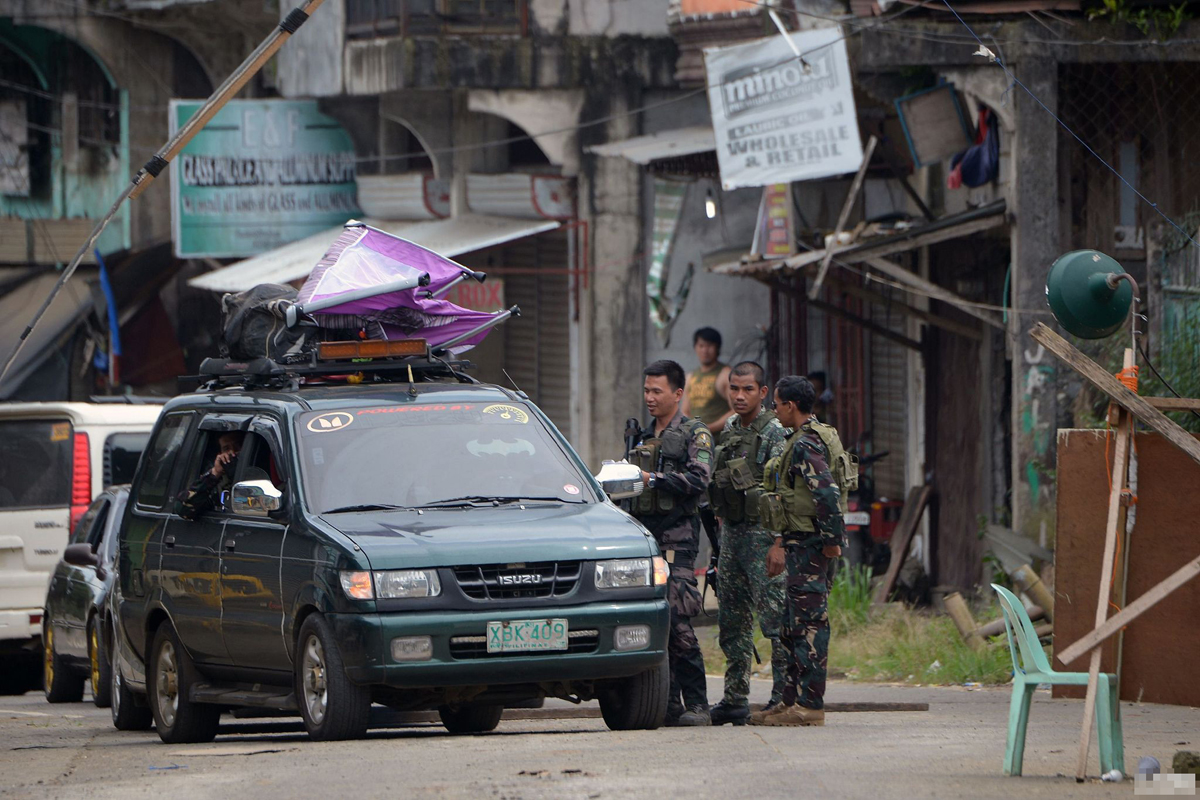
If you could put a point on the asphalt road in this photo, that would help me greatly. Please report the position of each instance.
(952, 750)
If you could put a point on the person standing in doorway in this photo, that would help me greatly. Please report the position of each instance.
(675, 456)
(751, 437)
(804, 492)
(708, 387)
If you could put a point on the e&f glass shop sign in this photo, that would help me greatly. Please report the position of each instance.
(777, 121)
(261, 174)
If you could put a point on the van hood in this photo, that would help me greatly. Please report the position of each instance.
(491, 535)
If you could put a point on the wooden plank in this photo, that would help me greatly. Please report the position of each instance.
(1174, 403)
(996, 626)
(933, 290)
(902, 536)
(1132, 611)
(851, 197)
(894, 304)
(1102, 380)
(1124, 430)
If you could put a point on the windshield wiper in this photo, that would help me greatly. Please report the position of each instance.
(475, 499)
(366, 507)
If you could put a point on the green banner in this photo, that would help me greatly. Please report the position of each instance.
(261, 174)
(668, 203)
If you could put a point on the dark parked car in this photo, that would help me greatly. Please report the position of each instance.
(77, 604)
(432, 544)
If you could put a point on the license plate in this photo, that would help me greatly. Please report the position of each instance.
(531, 635)
(857, 517)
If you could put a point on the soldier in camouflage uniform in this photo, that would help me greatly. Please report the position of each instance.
(808, 484)
(676, 461)
(751, 437)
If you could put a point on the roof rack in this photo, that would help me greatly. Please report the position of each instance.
(264, 373)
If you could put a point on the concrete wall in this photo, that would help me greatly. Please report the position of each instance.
(310, 63)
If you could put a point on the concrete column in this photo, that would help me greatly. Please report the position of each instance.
(616, 319)
(1035, 244)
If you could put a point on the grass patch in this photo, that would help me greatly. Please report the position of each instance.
(892, 643)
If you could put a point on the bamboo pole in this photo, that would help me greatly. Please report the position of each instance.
(232, 85)
(956, 607)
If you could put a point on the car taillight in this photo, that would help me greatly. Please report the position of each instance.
(81, 478)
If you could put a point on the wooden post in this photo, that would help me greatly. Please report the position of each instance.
(855, 187)
(956, 607)
(1124, 431)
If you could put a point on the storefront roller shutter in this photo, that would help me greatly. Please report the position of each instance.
(537, 351)
(889, 406)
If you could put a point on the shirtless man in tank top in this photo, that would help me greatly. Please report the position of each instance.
(707, 392)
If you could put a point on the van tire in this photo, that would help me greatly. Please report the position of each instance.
(471, 719)
(637, 703)
(169, 680)
(62, 683)
(100, 668)
(332, 706)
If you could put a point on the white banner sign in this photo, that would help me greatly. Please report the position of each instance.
(776, 122)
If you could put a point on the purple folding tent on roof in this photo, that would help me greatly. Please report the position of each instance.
(369, 277)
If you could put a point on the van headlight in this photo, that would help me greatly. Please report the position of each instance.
(404, 583)
(625, 573)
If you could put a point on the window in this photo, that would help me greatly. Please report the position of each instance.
(87, 523)
(367, 19)
(160, 458)
(121, 454)
(35, 464)
(111, 542)
(374, 455)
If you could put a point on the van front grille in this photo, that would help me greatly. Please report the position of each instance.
(546, 579)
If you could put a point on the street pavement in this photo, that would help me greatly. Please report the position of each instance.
(953, 750)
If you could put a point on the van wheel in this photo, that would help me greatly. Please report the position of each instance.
(61, 684)
(333, 706)
(100, 667)
(177, 718)
(638, 702)
(471, 719)
(129, 710)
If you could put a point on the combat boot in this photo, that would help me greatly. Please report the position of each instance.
(675, 710)
(769, 710)
(796, 715)
(696, 716)
(724, 712)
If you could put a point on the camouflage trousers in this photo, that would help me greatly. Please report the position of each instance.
(805, 634)
(683, 648)
(743, 588)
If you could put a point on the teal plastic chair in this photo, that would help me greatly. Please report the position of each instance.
(1031, 669)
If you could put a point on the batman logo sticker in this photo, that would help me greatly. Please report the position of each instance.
(333, 421)
(508, 413)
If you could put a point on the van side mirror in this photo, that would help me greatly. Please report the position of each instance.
(255, 498)
(81, 555)
(620, 480)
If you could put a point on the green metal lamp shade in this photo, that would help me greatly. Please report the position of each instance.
(1081, 298)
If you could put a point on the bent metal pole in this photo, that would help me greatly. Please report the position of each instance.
(232, 85)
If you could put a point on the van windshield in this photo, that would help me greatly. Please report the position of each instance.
(422, 455)
(35, 464)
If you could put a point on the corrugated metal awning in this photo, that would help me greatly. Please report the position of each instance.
(656, 146)
(16, 309)
(294, 261)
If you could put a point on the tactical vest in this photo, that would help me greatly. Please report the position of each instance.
(787, 503)
(665, 454)
(738, 470)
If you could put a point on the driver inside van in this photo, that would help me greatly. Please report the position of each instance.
(206, 491)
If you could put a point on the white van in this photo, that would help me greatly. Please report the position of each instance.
(54, 459)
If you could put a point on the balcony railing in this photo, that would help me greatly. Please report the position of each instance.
(367, 19)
